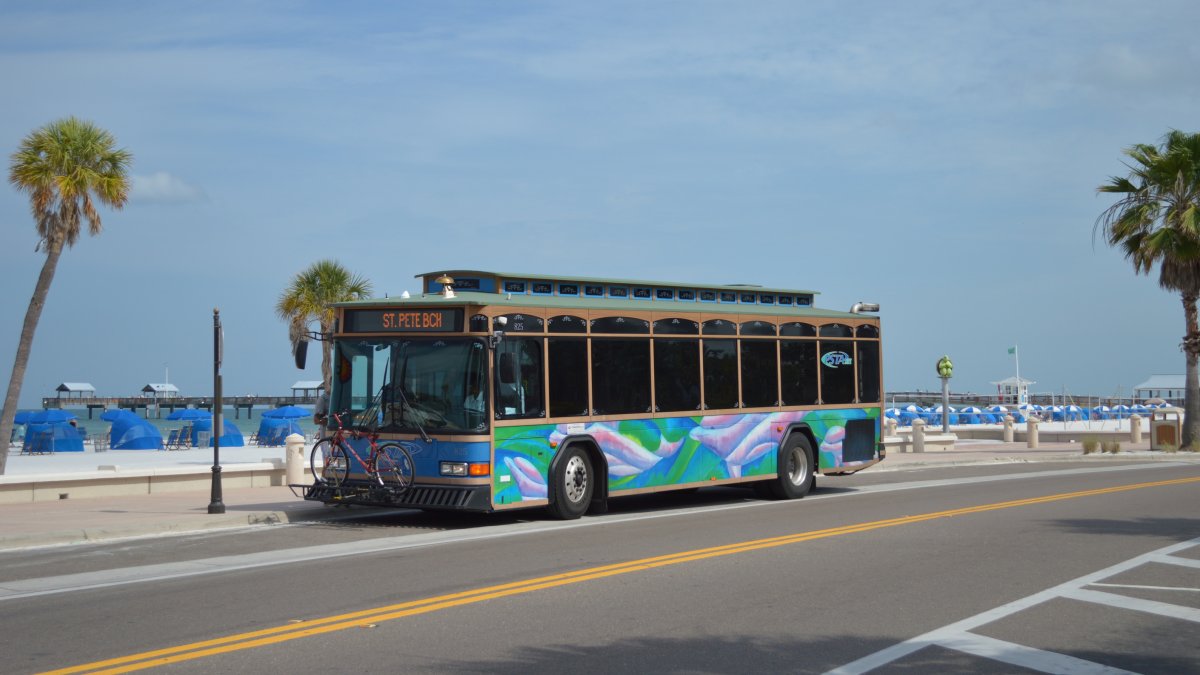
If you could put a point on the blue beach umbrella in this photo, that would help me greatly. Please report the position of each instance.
(288, 412)
(52, 416)
(116, 414)
(189, 414)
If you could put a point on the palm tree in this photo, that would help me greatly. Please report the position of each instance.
(1155, 222)
(309, 298)
(65, 167)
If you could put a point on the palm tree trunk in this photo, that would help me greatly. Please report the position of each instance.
(32, 316)
(1191, 392)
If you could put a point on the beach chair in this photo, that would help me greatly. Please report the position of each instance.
(172, 440)
(185, 438)
(42, 443)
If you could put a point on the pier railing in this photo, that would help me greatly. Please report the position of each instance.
(148, 405)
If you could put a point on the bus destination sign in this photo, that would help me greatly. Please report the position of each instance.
(404, 320)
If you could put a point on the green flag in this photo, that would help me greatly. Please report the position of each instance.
(1012, 350)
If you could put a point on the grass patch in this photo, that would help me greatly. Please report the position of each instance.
(1111, 447)
(1090, 445)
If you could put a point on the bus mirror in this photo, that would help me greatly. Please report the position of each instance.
(300, 352)
(508, 368)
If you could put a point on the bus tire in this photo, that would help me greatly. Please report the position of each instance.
(572, 484)
(796, 469)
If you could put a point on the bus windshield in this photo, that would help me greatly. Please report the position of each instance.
(409, 385)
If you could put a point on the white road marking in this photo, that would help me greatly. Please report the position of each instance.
(1026, 657)
(26, 588)
(1137, 604)
(947, 635)
(1149, 588)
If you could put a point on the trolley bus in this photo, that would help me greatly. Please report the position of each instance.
(520, 390)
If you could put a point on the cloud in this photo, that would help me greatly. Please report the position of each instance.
(163, 188)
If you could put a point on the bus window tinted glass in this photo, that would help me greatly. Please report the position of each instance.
(759, 386)
(519, 378)
(567, 324)
(620, 376)
(676, 327)
(676, 375)
(620, 325)
(720, 327)
(837, 372)
(867, 331)
(567, 360)
(868, 372)
(798, 370)
(798, 329)
(836, 330)
(520, 323)
(720, 374)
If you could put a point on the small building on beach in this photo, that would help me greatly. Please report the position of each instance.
(307, 388)
(1169, 388)
(75, 390)
(158, 391)
(1013, 390)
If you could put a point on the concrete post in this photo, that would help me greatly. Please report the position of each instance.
(1008, 428)
(918, 435)
(295, 459)
(889, 427)
(1031, 432)
(1135, 429)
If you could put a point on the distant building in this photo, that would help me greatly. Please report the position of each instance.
(76, 389)
(1169, 388)
(1013, 390)
(307, 388)
(157, 391)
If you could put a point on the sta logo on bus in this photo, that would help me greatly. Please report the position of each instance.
(835, 359)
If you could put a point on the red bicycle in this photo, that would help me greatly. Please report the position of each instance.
(389, 463)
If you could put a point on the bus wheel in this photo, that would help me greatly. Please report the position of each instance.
(795, 477)
(573, 485)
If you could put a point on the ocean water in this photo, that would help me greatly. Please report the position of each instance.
(246, 425)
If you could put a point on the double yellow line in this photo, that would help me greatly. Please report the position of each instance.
(368, 617)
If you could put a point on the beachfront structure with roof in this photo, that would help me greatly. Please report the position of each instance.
(75, 390)
(157, 391)
(1169, 388)
(307, 388)
(1013, 390)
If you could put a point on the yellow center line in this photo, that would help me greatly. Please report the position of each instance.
(329, 624)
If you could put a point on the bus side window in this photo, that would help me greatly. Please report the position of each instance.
(519, 378)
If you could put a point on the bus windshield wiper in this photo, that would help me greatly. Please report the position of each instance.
(404, 404)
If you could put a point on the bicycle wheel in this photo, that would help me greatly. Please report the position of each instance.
(329, 462)
(394, 465)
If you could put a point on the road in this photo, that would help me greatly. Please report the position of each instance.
(1012, 568)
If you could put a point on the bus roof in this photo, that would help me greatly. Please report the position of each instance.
(520, 276)
(479, 287)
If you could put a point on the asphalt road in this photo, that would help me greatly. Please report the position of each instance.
(972, 569)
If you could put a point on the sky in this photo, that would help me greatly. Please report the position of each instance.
(939, 158)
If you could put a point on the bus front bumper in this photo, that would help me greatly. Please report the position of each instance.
(431, 497)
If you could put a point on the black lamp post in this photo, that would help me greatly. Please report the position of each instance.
(216, 505)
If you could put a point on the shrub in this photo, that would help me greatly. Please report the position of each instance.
(1167, 447)
(1111, 447)
(1090, 445)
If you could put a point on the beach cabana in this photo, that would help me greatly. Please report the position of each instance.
(273, 431)
(231, 438)
(130, 432)
(971, 415)
(55, 437)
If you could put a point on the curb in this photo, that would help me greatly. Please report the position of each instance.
(227, 521)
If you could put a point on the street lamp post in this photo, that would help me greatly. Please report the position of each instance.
(945, 370)
(216, 505)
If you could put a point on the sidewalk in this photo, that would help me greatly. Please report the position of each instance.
(71, 521)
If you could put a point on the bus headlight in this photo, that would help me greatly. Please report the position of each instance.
(465, 469)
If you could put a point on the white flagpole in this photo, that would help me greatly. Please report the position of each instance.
(1021, 394)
